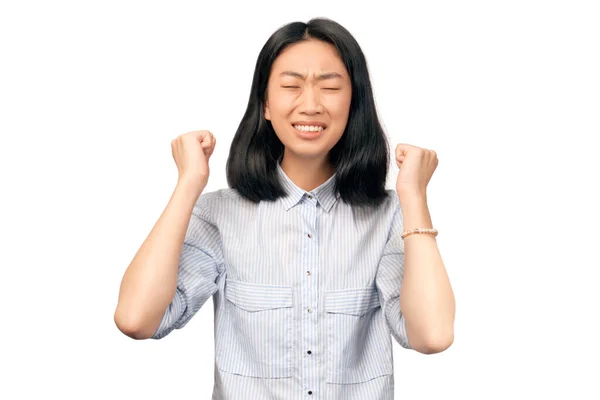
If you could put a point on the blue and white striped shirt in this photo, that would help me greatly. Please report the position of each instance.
(306, 293)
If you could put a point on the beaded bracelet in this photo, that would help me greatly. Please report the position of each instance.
(433, 232)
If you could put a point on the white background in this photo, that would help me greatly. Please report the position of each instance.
(506, 92)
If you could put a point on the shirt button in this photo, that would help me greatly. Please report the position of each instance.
(308, 273)
(309, 196)
(309, 310)
(309, 236)
(309, 352)
(310, 392)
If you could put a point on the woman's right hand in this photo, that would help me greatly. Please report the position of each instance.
(191, 152)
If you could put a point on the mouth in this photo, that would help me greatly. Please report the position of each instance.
(309, 128)
(308, 131)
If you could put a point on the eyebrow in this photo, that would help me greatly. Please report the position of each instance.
(327, 75)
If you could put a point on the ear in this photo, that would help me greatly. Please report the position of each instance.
(267, 113)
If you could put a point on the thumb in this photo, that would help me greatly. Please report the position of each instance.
(402, 149)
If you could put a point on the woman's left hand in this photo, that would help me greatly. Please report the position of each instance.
(416, 168)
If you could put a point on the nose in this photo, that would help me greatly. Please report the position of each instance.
(311, 102)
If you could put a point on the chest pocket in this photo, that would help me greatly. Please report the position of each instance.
(255, 336)
(359, 346)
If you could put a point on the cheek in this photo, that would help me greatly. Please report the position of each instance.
(281, 105)
(279, 112)
(339, 108)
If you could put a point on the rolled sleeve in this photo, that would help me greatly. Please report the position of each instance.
(389, 277)
(200, 266)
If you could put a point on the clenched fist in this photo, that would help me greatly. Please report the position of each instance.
(191, 152)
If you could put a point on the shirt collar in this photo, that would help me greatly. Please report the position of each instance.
(325, 193)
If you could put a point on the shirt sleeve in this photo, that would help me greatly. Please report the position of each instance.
(199, 269)
(389, 276)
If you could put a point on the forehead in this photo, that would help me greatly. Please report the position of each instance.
(309, 56)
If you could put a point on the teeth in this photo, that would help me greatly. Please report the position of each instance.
(308, 128)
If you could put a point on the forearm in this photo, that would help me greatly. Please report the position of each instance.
(426, 299)
(150, 281)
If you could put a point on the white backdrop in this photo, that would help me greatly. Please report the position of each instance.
(92, 93)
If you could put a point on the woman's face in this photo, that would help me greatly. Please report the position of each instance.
(308, 99)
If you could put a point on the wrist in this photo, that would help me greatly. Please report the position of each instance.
(411, 196)
(191, 186)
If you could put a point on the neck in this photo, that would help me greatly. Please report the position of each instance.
(307, 174)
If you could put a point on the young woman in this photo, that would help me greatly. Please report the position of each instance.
(306, 253)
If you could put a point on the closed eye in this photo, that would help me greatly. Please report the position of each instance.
(291, 87)
(329, 88)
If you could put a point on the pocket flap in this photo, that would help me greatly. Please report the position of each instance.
(352, 301)
(257, 297)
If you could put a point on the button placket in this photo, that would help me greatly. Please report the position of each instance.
(310, 363)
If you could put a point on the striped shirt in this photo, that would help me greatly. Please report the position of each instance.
(306, 293)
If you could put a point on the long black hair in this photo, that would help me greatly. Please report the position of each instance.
(360, 157)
